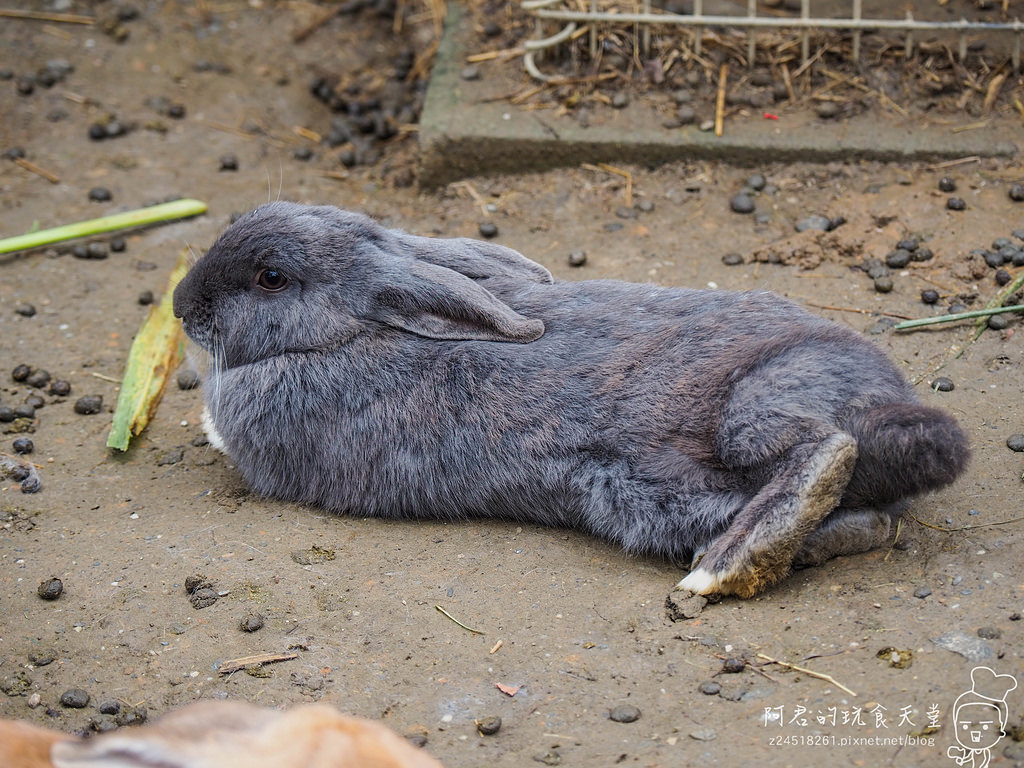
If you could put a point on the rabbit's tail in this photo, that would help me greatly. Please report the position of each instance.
(904, 449)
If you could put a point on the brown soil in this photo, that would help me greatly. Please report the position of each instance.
(582, 628)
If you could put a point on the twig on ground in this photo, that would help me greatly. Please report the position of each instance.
(448, 615)
(971, 527)
(233, 665)
(810, 672)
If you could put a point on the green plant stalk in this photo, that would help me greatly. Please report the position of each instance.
(155, 353)
(907, 324)
(178, 209)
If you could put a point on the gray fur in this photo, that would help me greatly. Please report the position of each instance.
(408, 377)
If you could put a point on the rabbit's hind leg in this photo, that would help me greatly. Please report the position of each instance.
(845, 532)
(758, 547)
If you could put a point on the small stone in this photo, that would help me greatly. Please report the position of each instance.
(488, 726)
(942, 384)
(645, 206)
(492, 29)
(146, 298)
(1016, 192)
(908, 244)
(626, 213)
(1015, 616)
(929, 296)
(33, 700)
(577, 258)
(620, 100)
(23, 445)
(883, 284)
(990, 633)
(21, 372)
(624, 713)
(1015, 443)
(922, 254)
(959, 642)
(30, 484)
(742, 203)
(228, 163)
(74, 698)
(732, 259)
(1002, 277)
(89, 404)
(710, 687)
(25, 310)
(815, 222)
(757, 182)
(100, 195)
(703, 734)
(946, 184)
(188, 379)
(470, 73)
(50, 589)
(252, 622)
(488, 229)
(922, 592)
(60, 388)
(956, 204)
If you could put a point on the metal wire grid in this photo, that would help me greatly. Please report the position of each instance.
(644, 19)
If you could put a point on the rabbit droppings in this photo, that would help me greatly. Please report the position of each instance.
(369, 371)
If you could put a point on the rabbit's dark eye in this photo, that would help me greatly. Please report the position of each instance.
(271, 280)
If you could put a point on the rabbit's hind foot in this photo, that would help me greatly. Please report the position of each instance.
(846, 532)
(758, 547)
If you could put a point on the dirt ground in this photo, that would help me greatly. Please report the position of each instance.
(568, 627)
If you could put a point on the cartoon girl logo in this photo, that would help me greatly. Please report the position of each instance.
(979, 717)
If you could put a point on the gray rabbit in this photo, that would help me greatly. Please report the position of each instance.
(368, 371)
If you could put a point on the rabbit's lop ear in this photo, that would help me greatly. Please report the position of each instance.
(473, 258)
(440, 303)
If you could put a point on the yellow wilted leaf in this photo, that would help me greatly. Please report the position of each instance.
(155, 354)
